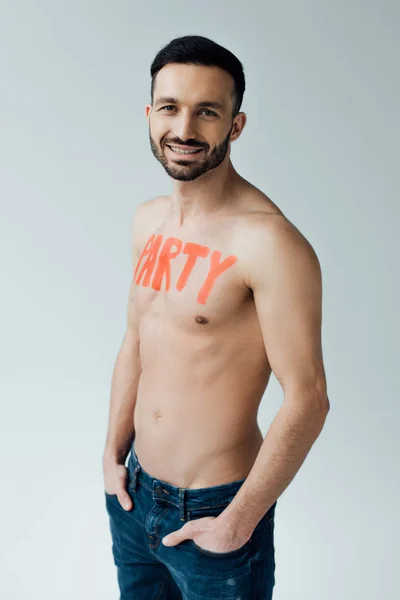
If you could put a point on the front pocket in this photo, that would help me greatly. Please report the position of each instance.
(232, 554)
(212, 510)
(215, 511)
(109, 495)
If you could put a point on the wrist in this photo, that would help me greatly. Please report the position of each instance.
(113, 457)
(231, 519)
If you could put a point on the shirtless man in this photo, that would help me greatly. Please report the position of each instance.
(224, 289)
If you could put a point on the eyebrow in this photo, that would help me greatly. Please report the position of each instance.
(204, 103)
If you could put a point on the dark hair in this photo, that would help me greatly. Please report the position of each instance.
(199, 50)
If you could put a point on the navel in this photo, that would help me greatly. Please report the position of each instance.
(157, 414)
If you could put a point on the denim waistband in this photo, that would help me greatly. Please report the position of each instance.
(182, 498)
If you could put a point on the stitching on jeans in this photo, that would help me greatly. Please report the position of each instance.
(159, 519)
(162, 588)
(165, 501)
(209, 506)
(233, 553)
(252, 567)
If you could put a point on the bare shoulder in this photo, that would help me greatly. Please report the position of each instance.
(147, 217)
(270, 243)
(271, 231)
(151, 208)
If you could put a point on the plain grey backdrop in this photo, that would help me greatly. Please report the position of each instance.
(322, 136)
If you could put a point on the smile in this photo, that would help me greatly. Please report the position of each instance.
(185, 152)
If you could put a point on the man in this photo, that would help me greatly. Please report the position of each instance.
(224, 290)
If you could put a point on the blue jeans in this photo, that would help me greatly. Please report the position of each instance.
(148, 570)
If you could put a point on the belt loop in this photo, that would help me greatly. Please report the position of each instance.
(134, 478)
(181, 504)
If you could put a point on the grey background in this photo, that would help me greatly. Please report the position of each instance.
(322, 103)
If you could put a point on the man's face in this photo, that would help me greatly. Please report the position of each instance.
(183, 122)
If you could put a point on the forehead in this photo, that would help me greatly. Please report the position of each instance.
(194, 83)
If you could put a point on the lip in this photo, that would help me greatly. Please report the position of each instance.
(184, 147)
(185, 156)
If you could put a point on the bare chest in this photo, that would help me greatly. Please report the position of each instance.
(192, 280)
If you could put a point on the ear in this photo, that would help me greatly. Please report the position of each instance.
(238, 126)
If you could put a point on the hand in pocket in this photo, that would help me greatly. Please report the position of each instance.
(115, 483)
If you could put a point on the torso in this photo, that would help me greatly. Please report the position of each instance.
(204, 365)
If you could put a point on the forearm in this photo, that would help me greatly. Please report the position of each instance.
(124, 386)
(290, 437)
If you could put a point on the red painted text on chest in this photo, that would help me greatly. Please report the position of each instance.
(154, 264)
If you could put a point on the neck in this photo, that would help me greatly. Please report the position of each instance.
(208, 195)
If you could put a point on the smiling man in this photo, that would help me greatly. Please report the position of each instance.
(224, 291)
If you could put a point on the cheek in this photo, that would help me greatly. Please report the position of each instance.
(157, 132)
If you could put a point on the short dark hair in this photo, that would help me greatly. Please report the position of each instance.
(199, 50)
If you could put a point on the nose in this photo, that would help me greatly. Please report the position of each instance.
(184, 127)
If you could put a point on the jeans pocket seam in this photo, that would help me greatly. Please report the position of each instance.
(232, 554)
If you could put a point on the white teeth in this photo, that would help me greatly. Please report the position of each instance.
(179, 151)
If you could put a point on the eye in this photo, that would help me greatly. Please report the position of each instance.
(210, 112)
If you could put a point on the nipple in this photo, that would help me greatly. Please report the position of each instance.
(202, 320)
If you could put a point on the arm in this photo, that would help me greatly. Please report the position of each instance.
(124, 385)
(285, 276)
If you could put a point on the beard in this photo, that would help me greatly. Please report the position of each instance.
(189, 170)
